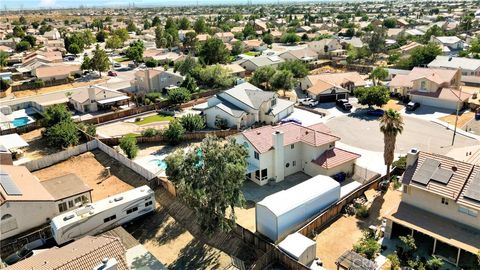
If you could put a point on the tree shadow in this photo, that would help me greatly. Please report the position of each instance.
(196, 255)
(361, 114)
(147, 261)
(170, 232)
(374, 213)
(147, 227)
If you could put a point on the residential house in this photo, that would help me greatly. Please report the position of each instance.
(226, 37)
(97, 98)
(432, 87)
(254, 45)
(468, 66)
(59, 72)
(329, 87)
(183, 33)
(408, 48)
(449, 44)
(355, 42)
(327, 47)
(279, 151)
(440, 207)
(252, 64)
(394, 33)
(89, 252)
(155, 79)
(52, 35)
(235, 70)
(244, 105)
(11, 42)
(260, 26)
(163, 56)
(26, 203)
(305, 55)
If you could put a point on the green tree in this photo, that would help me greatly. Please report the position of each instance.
(189, 83)
(213, 51)
(63, 134)
(150, 132)
(409, 245)
(390, 23)
(192, 122)
(55, 114)
(178, 95)
(135, 51)
(238, 48)
(378, 74)
(131, 27)
(367, 246)
(200, 26)
(30, 39)
(76, 38)
(261, 77)
(174, 133)
(421, 56)
(151, 63)
(74, 49)
(282, 80)
(394, 261)
(370, 96)
(160, 40)
(376, 39)
(186, 66)
(208, 178)
(268, 38)
(249, 31)
(114, 42)
(22, 46)
(391, 124)
(18, 31)
(184, 23)
(22, 20)
(101, 36)
(191, 41)
(88, 37)
(297, 67)
(475, 45)
(86, 64)
(100, 61)
(290, 38)
(129, 146)
(3, 59)
(213, 76)
(122, 33)
(156, 21)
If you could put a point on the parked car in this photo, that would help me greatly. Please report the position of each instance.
(344, 104)
(116, 65)
(412, 106)
(132, 65)
(310, 102)
(111, 73)
(377, 112)
(25, 252)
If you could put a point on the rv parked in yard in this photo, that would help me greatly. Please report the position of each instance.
(103, 215)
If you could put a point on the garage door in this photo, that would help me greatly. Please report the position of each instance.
(331, 98)
(435, 102)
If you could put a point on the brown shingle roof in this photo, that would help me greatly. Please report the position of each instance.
(57, 70)
(334, 157)
(65, 186)
(83, 254)
(338, 78)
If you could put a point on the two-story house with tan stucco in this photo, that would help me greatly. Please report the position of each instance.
(440, 207)
(155, 79)
(244, 105)
(276, 152)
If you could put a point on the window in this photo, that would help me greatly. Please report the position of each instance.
(468, 211)
(62, 207)
(294, 163)
(70, 204)
(132, 210)
(257, 174)
(256, 155)
(264, 174)
(148, 203)
(7, 216)
(274, 102)
(445, 201)
(423, 85)
(110, 218)
(292, 146)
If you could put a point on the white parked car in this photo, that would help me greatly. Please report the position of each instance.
(310, 102)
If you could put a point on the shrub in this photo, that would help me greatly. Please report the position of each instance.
(221, 123)
(63, 134)
(400, 163)
(153, 97)
(367, 246)
(151, 63)
(192, 122)
(434, 263)
(179, 95)
(362, 211)
(149, 132)
(55, 114)
(396, 182)
(174, 133)
(129, 146)
(394, 261)
(39, 84)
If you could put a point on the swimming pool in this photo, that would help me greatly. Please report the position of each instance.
(161, 164)
(20, 121)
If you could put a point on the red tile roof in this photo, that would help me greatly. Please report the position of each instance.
(261, 138)
(335, 157)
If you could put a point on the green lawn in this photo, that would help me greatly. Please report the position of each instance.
(154, 118)
(120, 59)
(251, 53)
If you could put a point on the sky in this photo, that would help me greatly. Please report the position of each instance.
(40, 4)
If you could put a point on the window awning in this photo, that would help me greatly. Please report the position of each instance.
(114, 99)
(251, 168)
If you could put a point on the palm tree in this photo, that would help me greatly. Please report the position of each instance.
(391, 124)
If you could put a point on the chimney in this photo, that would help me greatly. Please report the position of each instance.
(107, 264)
(278, 157)
(91, 93)
(412, 157)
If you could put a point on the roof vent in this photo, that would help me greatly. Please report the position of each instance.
(65, 218)
(454, 168)
(117, 199)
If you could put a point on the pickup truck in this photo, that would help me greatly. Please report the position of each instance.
(310, 102)
(344, 104)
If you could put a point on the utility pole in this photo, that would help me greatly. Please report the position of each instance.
(456, 116)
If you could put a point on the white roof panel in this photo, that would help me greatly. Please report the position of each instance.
(12, 141)
(295, 244)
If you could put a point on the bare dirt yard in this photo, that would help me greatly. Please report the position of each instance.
(50, 89)
(393, 104)
(37, 146)
(90, 167)
(344, 232)
(463, 119)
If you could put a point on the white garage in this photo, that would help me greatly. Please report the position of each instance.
(435, 102)
(446, 98)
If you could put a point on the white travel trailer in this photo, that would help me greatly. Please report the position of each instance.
(103, 215)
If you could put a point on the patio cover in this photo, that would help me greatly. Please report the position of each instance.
(12, 141)
(440, 228)
(114, 99)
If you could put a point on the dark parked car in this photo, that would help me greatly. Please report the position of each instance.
(377, 112)
(412, 106)
(25, 252)
(111, 73)
(344, 104)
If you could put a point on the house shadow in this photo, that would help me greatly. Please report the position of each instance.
(361, 114)
(196, 255)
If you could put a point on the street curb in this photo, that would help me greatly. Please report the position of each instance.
(459, 131)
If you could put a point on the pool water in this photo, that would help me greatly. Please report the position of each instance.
(21, 121)
(161, 164)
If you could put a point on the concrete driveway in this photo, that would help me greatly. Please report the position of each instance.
(362, 131)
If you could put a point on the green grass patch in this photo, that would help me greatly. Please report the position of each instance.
(120, 59)
(132, 135)
(251, 53)
(153, 119)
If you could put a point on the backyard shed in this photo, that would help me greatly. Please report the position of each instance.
(281, 213)
(300, 247)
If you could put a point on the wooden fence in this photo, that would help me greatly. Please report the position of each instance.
(189, 136)
(31, 85)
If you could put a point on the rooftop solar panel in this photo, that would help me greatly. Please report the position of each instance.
(426, 171)
(442, 175)
(8, 185)
(473, 191)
